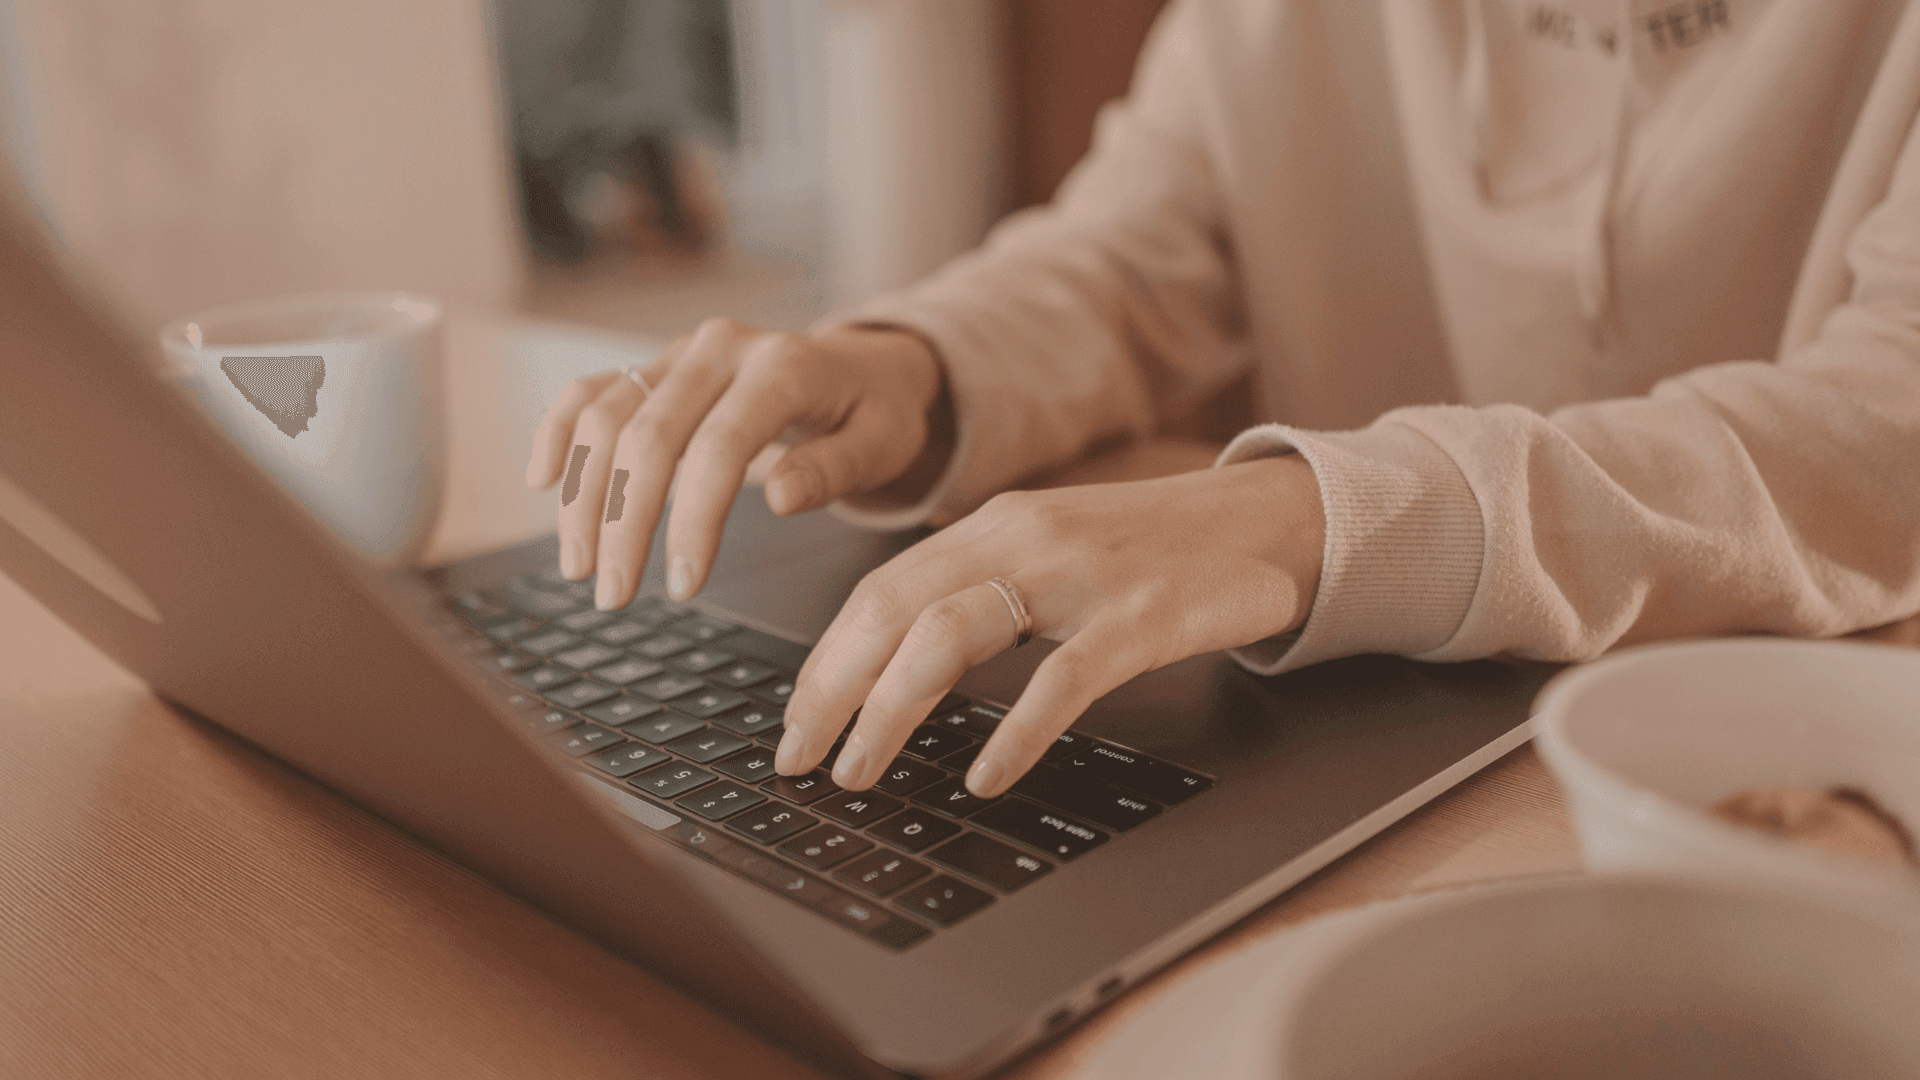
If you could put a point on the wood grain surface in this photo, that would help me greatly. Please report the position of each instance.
(174, 903)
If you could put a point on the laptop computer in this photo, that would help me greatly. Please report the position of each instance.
(614, 769)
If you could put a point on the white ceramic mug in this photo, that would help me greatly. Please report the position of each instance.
(338, 397)
(1644, 741)
(1595, 978)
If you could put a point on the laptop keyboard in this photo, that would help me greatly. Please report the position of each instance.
(684, 709)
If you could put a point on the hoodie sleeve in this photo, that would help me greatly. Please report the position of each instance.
(1094, 317)
(1777, 497)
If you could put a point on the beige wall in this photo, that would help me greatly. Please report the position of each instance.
(194, 152)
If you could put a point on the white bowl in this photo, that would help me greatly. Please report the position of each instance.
(1645, 740)
(1585, 978)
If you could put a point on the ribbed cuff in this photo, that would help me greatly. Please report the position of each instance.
(1404, 544)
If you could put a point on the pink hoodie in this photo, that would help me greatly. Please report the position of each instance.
(1664, 256)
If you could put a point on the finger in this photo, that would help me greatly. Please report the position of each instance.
(867, 451)
(766, 398)
(950, 635)
(554, 437)
(1091, 664)
(848, 660)
(647, 450)
(589, 464)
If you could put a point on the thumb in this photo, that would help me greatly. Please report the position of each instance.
(864, 453)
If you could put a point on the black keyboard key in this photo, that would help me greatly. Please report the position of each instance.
(579, 695)
(584, 740)
(627, 671)
(774, 693)
(475, 606)
(706, 745)
(546, 605)
(858, 913)
(813, 786)
(661, 646)
(752, 721)
(547, 577)
(550, 720)
(547, 642)
(1135, 771)
(742, 674)
(930, 742)
(748, 766)
(906, 776)
(976, 720)
(913, 829)
(1041, 829)
(987, 860)
(951, 703)
(781, 878)
(668, 687)
(1067, 742)
(659, 728)
(825, 847)
(621, 634)
(646, 612)
(722, 800)
(704, 628)
(952, 799)
(582, 621)
(766, 648)
(627, 759)
(587, 656)
(1085, 798)
(519, 701)
(700, 661)
(857, 808)
(945, 900)
(512, 662)
(709, 702)
(544, 678)
(513, 629)
(622, 710)
(772, 822)
(671, 779)
(882, 873)
(962, 760)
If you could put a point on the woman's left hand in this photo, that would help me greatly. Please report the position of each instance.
(1128, 577)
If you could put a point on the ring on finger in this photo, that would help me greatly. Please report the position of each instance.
(1017, 605)
(632, 371)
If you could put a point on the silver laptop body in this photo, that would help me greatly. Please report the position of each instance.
(119, 501)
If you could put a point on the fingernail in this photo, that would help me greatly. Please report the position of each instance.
(793, 750)
(680, 577)
(606, 594)
(984, 778)
(853, 761)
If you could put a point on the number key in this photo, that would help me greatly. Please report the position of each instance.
(771, 822)
(824, 847)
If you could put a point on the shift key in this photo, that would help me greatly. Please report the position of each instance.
(1085, 798)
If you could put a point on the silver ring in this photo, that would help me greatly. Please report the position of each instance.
(632, 371)
(1022, 621)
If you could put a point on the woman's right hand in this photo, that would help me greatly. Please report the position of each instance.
(867, 404)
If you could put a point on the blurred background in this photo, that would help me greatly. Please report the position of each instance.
(635, 165)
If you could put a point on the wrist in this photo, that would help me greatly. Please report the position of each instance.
(1287, 523)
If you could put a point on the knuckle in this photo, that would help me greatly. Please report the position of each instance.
(941, 628)
(717, 326)
(646, 430)
(596, 419)
(877, 602)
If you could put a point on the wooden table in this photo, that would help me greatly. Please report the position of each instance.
(173, 903)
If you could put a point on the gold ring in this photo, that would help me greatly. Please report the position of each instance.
(1022, 621)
